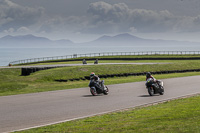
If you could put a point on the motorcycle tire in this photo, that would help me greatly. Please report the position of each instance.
(151, 91)
(161, 91)
(93, 91)
(105, 92)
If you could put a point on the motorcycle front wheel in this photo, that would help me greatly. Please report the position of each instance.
(161, 91)
(93, 91)
(105, 92)
(151, 91)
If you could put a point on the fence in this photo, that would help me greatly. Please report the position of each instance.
(34, 60)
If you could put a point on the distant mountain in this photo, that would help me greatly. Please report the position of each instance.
(24, 38)
(120, 37)
(31, 41)
(130, 40)
(118, 40)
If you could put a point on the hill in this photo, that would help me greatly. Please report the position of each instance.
(118, 40)
(130, 40)
(31, 41)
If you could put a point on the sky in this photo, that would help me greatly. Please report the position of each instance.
(87, 20)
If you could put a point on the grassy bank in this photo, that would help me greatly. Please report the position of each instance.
(66, 73)
(12, 83)
(178, 116)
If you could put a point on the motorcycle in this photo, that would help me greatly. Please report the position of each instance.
(154, 87)
(98, 87)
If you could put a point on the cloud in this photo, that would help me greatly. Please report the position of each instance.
(9, 31)
(105, 18)
(24, 30)
(71, 24)
(108, 18)
(16, 16)
(119, 15)
(100, 18)
(102, 11)
(152, 21)
(197, 20)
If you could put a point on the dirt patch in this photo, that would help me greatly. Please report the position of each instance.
(84, 69)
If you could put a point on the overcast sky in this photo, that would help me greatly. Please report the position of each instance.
(85, 20)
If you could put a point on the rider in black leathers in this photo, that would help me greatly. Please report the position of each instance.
(98, 82)
(148, 75)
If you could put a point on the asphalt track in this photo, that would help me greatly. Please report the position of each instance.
(25, 111)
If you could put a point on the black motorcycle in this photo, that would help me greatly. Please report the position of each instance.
(98, 87)
(154, 87)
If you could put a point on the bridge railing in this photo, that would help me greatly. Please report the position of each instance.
(35, 60)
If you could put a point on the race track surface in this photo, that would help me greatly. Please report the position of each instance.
(38, 109)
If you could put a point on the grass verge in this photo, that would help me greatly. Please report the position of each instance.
(177, 116)
(11, 83)
(30, 86)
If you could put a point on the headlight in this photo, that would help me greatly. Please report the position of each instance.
(162, 84)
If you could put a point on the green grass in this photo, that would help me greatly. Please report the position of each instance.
(177, 116)
(24, 85)
(11, 83)
(66, 73)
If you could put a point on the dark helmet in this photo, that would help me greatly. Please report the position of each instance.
(148, 74)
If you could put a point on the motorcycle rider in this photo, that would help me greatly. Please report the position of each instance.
(95, 77)
(98, 82)
(148, 75)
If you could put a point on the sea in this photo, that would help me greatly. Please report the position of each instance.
(8, 55)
